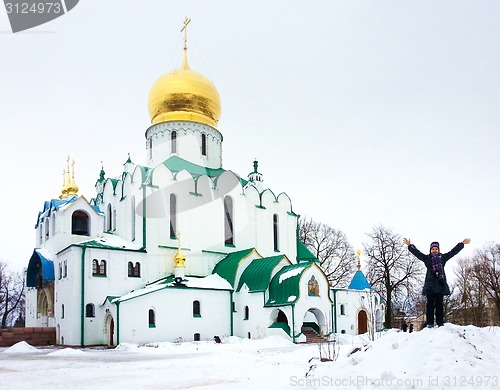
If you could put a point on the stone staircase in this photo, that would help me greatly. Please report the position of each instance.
(312, 336)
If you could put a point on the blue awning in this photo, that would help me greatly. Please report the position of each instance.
(40, 268)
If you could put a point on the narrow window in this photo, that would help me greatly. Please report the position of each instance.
(102, 268)
(249, 335)
(114, 219)
(80, 223)
(173, 216)
(60, 271)
(234, 307)
(95, 267)
(150, 142)
(47, 228)
(137, 270)
(151, 318)
(130, 269)
(109, 219)
(89, 310)
(275, 233)
(65, 268)
(133, 218)
(196, 309)
(197, 337)
(62, 311)
(228, 221)
(173, 142)
(247, 313)
(203, 145)
(342, 310)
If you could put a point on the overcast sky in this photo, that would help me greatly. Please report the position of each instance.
(365, 113)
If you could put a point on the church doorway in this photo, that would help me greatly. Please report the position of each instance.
(314, 325)
(43, 308)
(280, 320)
(362, 322)
(110, 330)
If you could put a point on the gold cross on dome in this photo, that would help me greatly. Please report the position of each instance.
(184, 28)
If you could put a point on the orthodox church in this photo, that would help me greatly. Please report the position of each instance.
(180, 248)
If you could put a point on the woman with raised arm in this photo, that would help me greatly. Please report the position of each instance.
(435, 286)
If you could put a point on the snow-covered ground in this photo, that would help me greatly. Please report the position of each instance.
(451, 357)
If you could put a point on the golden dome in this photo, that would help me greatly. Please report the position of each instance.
(184, 94)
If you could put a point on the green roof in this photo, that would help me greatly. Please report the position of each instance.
(228, 266)
(284, 287)
(303, 253)
(258, 273)
(177, 164)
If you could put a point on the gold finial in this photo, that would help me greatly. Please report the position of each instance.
(184, 29)
(358, 252)
(72, 188)
(179, 258)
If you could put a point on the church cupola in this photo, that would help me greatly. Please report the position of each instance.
(179, 259)
(255, 177)
(69, 186)
(184, 94)
(184, 108)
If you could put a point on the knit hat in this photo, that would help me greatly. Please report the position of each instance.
(434, 244)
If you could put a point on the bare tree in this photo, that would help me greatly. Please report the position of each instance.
(471, 296)
(392, 271)
(11, 295)
(331, 248)
(486, 265)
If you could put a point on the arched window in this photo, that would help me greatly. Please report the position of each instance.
(65, 268)
(173, 216)
(114, 220)
(152, 318)
(196, 309)
(53, 225)
(249, 335)
(62, 311)
(90, 310)
(203, 144)
(47, 228)
(247, 313)
(102, 268)
(197, 337)
(275, 232)
(133, 218)
(228, 221)
(80, 223)
(173, 142)
(109, 218)
(95, 267)
(134, 271)
(342, 310)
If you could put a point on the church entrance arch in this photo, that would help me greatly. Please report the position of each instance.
(314, 320)
(362, 322)
(280, 320)
(43, 308)
(109, 330)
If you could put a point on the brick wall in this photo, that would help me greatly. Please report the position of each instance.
(33, 336)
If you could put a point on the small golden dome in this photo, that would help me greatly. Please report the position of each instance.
(184, 94)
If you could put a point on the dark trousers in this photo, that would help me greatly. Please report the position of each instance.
(434, 303)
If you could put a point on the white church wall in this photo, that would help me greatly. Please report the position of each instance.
(214, 316)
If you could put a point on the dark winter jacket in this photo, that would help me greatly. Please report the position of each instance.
(432, 284)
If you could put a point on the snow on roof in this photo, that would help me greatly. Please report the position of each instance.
(45, 253)
(113, 241)
(293, 272)
(213, 282)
